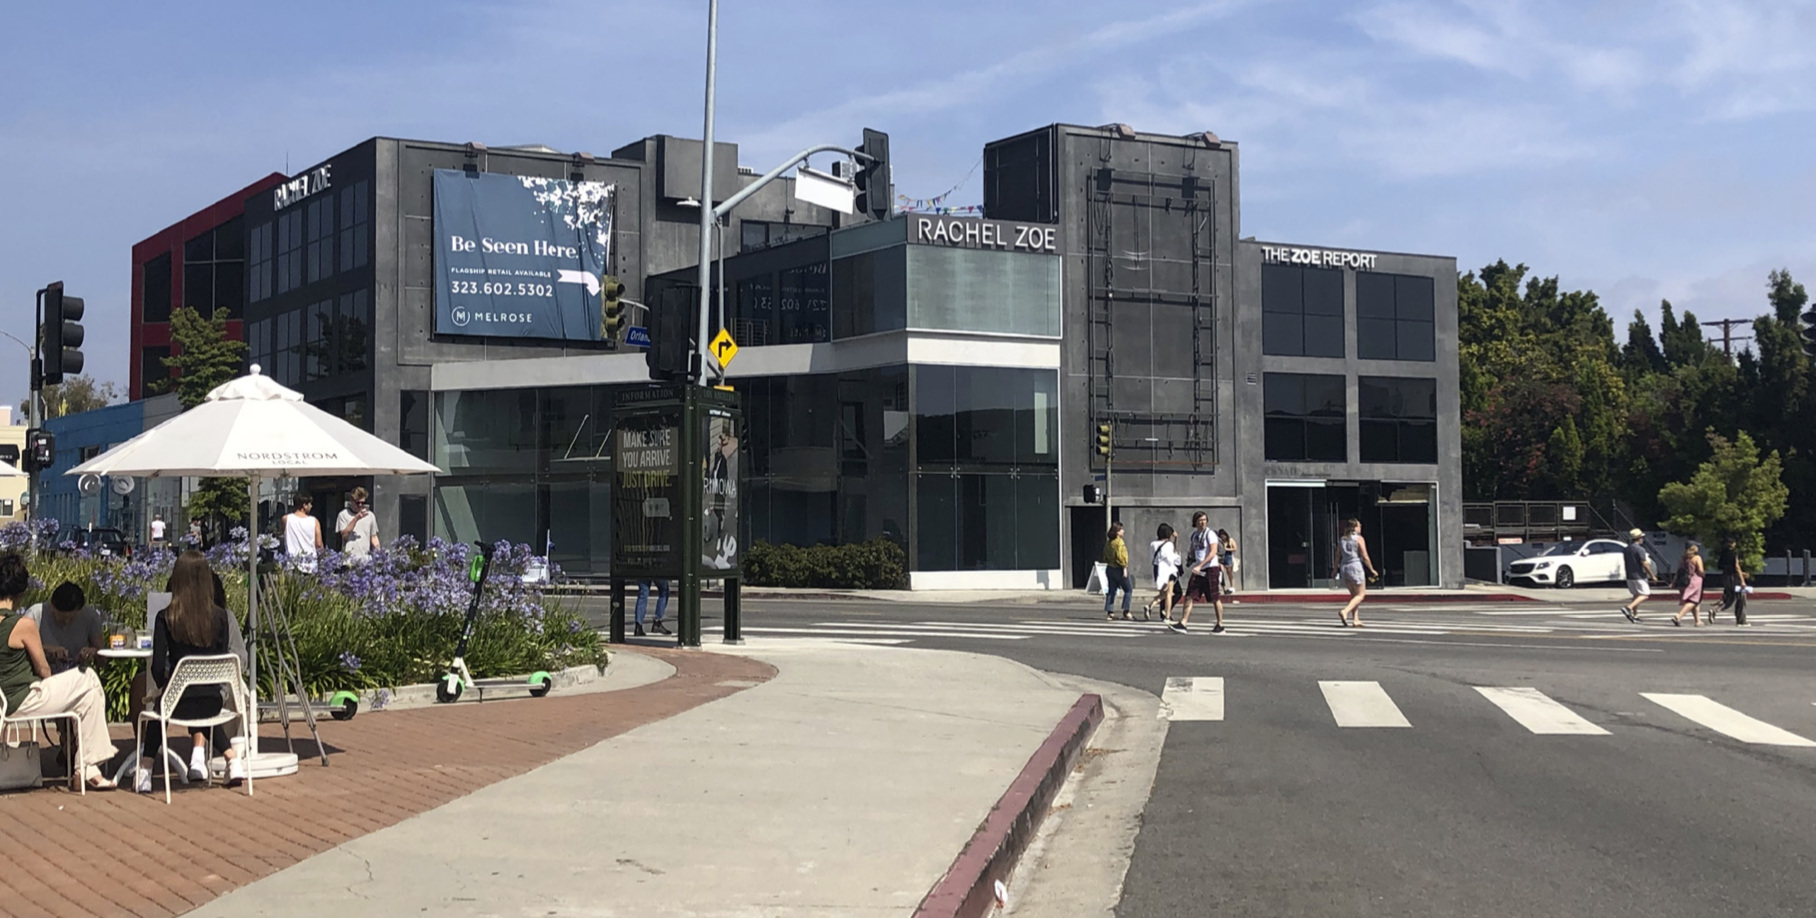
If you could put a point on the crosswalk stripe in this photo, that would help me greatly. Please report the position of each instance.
(1538, 713)
(863, 633)
(1723, 719)
(1192, 698)
(1362, 704)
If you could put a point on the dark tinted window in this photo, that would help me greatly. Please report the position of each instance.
(1398, 419)
(1305, 418)
(1394, 317)
(1302, 311)
(156, 290)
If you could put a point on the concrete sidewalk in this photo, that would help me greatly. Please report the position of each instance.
(843, 786)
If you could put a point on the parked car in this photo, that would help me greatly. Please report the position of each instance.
(101, 540)
(1567, 564)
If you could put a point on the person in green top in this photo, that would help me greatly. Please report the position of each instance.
(1116, 577)
(30, 689)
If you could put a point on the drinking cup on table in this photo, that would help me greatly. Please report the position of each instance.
(116, 640)
(144, 640)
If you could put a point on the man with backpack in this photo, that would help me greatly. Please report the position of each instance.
(1206, 581)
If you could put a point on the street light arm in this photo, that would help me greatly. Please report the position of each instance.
(28, 348)
(776, 173)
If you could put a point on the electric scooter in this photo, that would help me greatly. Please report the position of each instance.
(458, 678)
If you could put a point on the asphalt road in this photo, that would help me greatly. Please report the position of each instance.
(1276, 808)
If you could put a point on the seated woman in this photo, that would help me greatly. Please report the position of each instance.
(71, 630)
(194, 625)
(30, 688)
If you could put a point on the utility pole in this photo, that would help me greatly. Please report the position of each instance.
(1727, 334)
(703, 345)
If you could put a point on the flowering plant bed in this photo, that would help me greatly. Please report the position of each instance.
(391, 621)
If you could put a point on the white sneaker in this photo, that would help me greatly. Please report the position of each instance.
(142, 783)
(236, 771)
(198, 766)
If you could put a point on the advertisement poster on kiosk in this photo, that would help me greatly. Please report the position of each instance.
(519, 256)
(719, 509)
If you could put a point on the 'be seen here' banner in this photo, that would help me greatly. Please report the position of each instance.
(518, 256)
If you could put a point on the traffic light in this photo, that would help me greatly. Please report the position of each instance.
(40, 450)
(1103, 440)
(1809, 334)
(62, 330)
(873, 176)
(611, 309)
(671, 334)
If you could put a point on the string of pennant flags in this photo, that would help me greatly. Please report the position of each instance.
(937, 204)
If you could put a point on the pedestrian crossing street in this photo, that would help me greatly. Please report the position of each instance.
(1410, 622)
(1367, 705)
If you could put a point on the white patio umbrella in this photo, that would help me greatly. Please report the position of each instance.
(255, 428)
(8, 470)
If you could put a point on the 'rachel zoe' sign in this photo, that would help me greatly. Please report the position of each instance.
(985, 234)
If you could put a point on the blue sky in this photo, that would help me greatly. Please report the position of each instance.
(1644, 150)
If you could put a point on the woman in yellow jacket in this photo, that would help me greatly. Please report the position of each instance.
(1116, 559)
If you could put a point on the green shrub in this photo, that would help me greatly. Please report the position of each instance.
(878, 564)
(391, 622)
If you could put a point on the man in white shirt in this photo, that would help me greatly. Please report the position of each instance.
(302, 535)
(157, 531)
(358, 528)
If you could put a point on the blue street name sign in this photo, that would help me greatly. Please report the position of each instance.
(636, 336)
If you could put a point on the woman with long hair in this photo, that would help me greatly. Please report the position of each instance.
(1356, 567)
(194, 625)
(1165, 552)
(1116, 573)
(1690, 586)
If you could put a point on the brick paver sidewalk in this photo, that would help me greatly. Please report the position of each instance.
(121, 854)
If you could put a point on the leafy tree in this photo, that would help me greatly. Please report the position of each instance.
(75, 395)
(1641, 353)
(205, 358)
(1735, 493)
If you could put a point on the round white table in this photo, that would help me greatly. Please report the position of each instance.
(131, 765)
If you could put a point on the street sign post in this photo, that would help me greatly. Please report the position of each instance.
(724, 348)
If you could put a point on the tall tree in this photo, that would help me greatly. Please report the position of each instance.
(204, 356)
(204, 359)
(75, 395)
(1641, 353)
(1735, 493)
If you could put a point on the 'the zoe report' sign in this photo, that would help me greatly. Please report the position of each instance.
(1317, 258)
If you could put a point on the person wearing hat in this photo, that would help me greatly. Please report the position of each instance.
(1639, 574)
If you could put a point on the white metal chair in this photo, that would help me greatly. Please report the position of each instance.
(221, 670)
(33, 723)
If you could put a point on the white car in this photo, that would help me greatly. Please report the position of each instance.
(1567, 564)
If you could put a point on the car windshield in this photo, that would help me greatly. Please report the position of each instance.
(1564, 548)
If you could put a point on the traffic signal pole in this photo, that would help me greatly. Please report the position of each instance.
(34, 407)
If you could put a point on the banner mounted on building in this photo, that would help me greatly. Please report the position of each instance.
(520, 257)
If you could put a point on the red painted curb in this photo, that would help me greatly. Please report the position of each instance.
(1381, 596)
(968, 888)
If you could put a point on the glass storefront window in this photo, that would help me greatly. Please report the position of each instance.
(986, 482)
(982, 290)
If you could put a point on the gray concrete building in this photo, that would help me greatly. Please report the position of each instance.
(937, 380)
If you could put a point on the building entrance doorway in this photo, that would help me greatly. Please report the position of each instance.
(1305, 520)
